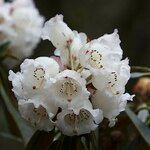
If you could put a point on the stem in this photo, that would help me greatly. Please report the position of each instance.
(140, 69)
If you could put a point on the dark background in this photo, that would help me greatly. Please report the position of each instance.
(97, 17)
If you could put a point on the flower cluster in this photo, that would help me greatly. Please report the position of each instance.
(79, 86)
(20, 25)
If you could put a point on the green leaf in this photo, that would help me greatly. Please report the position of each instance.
(139, 74)
(4, 125)
(3, 48)
(141, 127)
(8, 141)
(40, 140)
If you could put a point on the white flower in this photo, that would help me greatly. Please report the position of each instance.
(85, 121)
(57, 32)
(114, 79)
(23, 3)
(32, 85)
(38, 117)
(66, 41)
(99, 54)
(69, 89)
(5, 23)
(113, 42)
(78, 41)
(110, 105)
(26, 30)
(143, 115)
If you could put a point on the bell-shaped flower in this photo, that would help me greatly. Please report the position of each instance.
(32, 86)
(72, 53)
(66, 41)
(114, 79)
(69, 89)
(111, 105)
(38, 117)
(85, 121)
(57, 32)
(99, 54)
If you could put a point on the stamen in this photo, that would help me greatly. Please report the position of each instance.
(112, 83)
(69, 89)
(95, 59)
(38, 74)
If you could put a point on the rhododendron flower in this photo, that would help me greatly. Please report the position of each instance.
(85, 121)
(114, 79)
(38, 117)
(69, 89)
(110, 105)
(66, 41)
(31, 86)
(21, 31)
(83, 83)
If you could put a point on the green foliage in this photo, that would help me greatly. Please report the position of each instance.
(3, 48)
(141, 127)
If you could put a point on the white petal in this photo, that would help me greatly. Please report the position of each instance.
(113, 80)
(110, 105)
(34, 81)
(84, 122)
(38, 117)
(78, 41)
(113, 41)
(57, 32)
(69, 89)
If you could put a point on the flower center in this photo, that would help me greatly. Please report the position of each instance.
(38, 74)
(40, 113)
(69, 88)
(95, 59)
(74, 120)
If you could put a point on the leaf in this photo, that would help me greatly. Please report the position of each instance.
(141, 127)
(8, 141)
(56, 145)
(24, 129)
(4, 125)
(140, 69)
(139, 74)
(40, 140)
(3, 48)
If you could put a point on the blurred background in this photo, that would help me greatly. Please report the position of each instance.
(97, 17)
